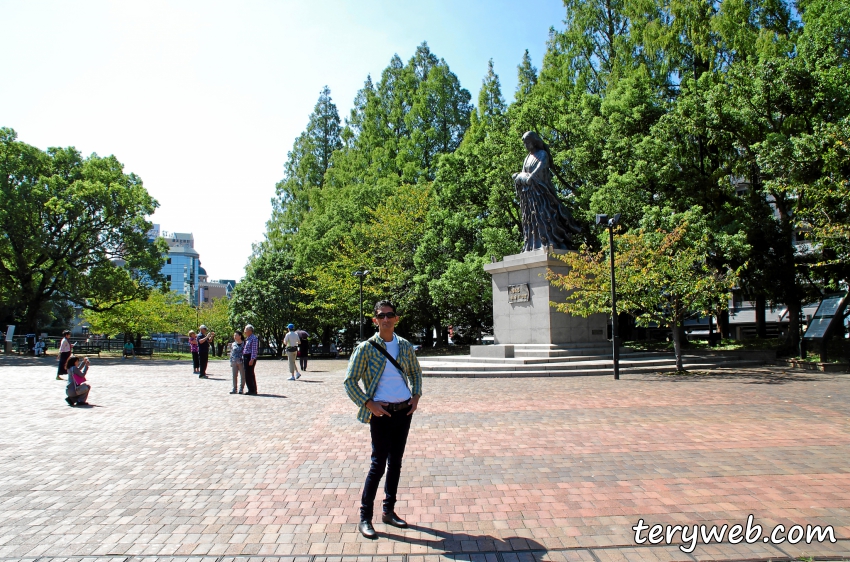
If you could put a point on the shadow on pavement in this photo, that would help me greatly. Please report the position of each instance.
(455, 544)
(261, 395)
(745, 377)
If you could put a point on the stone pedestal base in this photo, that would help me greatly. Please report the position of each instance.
(521, 310)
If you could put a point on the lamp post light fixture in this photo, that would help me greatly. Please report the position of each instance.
(610, 224)
(360, 274)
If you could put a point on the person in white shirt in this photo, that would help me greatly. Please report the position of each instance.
(384, 378)
(291, 341)
(64, 353)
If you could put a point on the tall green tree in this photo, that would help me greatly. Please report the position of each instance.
(270, 297)
(306, 164)
(74, 229)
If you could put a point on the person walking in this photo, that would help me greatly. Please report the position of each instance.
(385, 380)
(193, 347)
(303, 348)
(64, 353)
(78, 389)
(237, 366)
(204, 341)
(291, 342)
(249, 358)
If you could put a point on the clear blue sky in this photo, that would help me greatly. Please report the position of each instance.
(203, 99)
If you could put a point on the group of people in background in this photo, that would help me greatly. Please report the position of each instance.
(243, 358)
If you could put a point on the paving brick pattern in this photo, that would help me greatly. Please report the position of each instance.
(164, 466)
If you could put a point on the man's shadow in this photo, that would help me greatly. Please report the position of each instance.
(458, 544)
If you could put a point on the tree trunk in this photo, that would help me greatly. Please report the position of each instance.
(723, 324)
(29, 323)
(625, 325)
(444, 336)
(791, 343)
(326, 339)
(761, 321)
(429, 337)
(677, 345)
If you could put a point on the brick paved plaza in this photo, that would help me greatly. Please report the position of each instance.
(166, 466)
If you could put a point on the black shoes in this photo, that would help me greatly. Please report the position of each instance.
(71, 402)
(203, 377)
(394, 520)
(367, 530)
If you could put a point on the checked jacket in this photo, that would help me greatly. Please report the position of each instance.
(366, 367)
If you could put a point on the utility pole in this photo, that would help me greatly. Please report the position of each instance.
(615, 332)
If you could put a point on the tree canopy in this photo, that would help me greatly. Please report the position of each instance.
(74, 230)
(734, 110)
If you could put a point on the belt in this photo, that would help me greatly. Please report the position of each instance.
(397, 407)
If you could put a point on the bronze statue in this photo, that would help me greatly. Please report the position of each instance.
(545, 219)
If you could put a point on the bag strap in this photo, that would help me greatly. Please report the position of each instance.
(388, 356)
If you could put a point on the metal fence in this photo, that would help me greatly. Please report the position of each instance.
(21, 345)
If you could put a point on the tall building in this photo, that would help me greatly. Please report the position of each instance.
(182, 265)
(183, 271)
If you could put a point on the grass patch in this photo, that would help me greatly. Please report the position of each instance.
(755, 344)
(171, 356)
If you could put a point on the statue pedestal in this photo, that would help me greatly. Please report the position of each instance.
(522, 316)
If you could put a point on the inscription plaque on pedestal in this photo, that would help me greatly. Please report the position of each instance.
(830, 308)
(518, 293)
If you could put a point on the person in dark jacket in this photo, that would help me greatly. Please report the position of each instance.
(303, 348)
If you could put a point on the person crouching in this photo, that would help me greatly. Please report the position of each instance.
(77, 389)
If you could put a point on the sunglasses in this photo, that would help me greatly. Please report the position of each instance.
(382, 315)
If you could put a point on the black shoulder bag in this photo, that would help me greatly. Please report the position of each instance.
(388, 356)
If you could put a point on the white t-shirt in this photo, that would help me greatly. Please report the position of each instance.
(291, 340)
(392, 387)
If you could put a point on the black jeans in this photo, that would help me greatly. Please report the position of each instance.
(204, 358)
(302, 358)
(250, 377)
(196, 361)
(389, 436)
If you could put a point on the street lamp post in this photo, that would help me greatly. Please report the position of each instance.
(360, 274)
(610, 224)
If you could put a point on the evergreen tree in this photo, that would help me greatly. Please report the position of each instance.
(305, 168)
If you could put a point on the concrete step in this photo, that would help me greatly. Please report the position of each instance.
(536, 360)
(570, 366)
(596, 368)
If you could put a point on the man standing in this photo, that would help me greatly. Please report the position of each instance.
(391, 380)
(204, 341)
(249, 359)
(291, 341)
